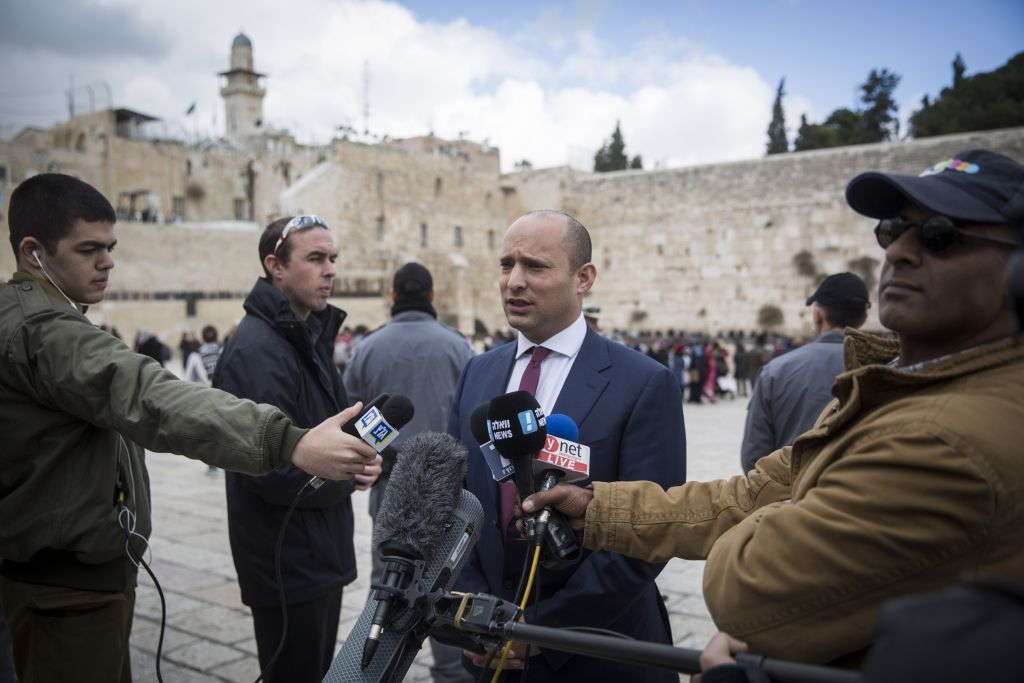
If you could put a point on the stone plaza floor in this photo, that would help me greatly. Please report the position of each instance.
(209, 634)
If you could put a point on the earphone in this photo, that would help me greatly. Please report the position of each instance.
(35, 255)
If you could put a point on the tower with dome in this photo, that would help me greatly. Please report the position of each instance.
(243, 96)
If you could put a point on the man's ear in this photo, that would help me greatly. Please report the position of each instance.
(585, 278)
(29, 250)
(273, 266)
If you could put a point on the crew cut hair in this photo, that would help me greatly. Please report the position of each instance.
(47, 205)
(577, 237)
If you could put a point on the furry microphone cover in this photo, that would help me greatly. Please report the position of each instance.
(421, 496)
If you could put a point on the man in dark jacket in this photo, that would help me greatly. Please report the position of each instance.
(281, 354)
(77, 407)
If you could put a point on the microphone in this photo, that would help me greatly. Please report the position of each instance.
(517, 427)
(561, 458)
(424, 530)
(378, 425)
(501, 467)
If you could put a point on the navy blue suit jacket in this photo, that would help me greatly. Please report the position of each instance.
(629, 411)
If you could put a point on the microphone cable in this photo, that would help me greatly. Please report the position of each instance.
(522, 608)
(278, 546)
(126, 520)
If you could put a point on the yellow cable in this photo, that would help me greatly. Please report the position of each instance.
(522, 607)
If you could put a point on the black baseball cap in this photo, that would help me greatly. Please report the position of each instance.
(978, 186)
(842, 289)
(413, 280)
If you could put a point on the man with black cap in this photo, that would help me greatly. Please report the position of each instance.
(912, 476)
(417, 356)
(792, 389)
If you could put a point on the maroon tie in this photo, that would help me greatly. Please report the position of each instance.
(507, 492)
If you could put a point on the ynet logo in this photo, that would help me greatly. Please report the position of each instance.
(528, 421)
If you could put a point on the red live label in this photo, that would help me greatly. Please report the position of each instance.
(565, 455)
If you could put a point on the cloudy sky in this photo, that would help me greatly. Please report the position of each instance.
(692, 81)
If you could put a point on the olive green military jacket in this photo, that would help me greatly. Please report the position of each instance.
(77, 407)
(908, 480)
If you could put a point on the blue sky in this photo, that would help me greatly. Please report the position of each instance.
(691, 81)
(825, 47)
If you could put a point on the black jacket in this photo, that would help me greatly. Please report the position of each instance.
(271, 358)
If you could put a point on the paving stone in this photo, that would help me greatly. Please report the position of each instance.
(147, 602)
(242, 671)
(181, 579)
(146, 636)
(204, 655)
(144, 671)
(216, 623)
(225, 594)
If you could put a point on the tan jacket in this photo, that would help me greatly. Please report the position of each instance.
(907, 481)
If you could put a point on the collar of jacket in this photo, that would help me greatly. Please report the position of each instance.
(51, 291)
(269, 303)
(830, 337)
(869, 381)
(412, 317)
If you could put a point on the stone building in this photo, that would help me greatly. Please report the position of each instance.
(711, 247)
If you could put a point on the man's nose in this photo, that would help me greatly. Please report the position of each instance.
(906, 249)
(516, 278)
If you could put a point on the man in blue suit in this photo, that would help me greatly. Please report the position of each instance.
(629, 411)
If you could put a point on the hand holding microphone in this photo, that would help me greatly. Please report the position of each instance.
(375, 428)
(570, 500)
(327, 451)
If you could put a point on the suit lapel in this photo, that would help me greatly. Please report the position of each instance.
(585, 382)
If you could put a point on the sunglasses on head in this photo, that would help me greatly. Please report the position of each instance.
(299, 223)
(938, 233)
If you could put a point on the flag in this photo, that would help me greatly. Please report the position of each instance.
(191, 108)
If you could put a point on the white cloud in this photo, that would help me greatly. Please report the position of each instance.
(678, 105)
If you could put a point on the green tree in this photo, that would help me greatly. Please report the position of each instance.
(612, 155)
(874, 122)
(778, 143)
(879, 120)
(984, 101)
(637, 162)
(958, 70)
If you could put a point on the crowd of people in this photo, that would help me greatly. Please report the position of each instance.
(874, 467)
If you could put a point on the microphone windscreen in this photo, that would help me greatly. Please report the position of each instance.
(478, 422)
(517, 425)
(397, 410)
(420, 495)
(563, 426)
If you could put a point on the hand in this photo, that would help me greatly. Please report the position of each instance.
(370, 474)
(720, 650)
(326, 451)
(515, 660)
(571, 501)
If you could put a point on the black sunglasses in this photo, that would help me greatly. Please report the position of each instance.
(938, 233)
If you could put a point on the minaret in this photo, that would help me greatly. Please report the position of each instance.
(243, 96)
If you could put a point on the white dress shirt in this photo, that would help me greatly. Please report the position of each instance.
(555, 369)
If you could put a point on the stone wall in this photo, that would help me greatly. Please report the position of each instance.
(706, 247)
(697, 248)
